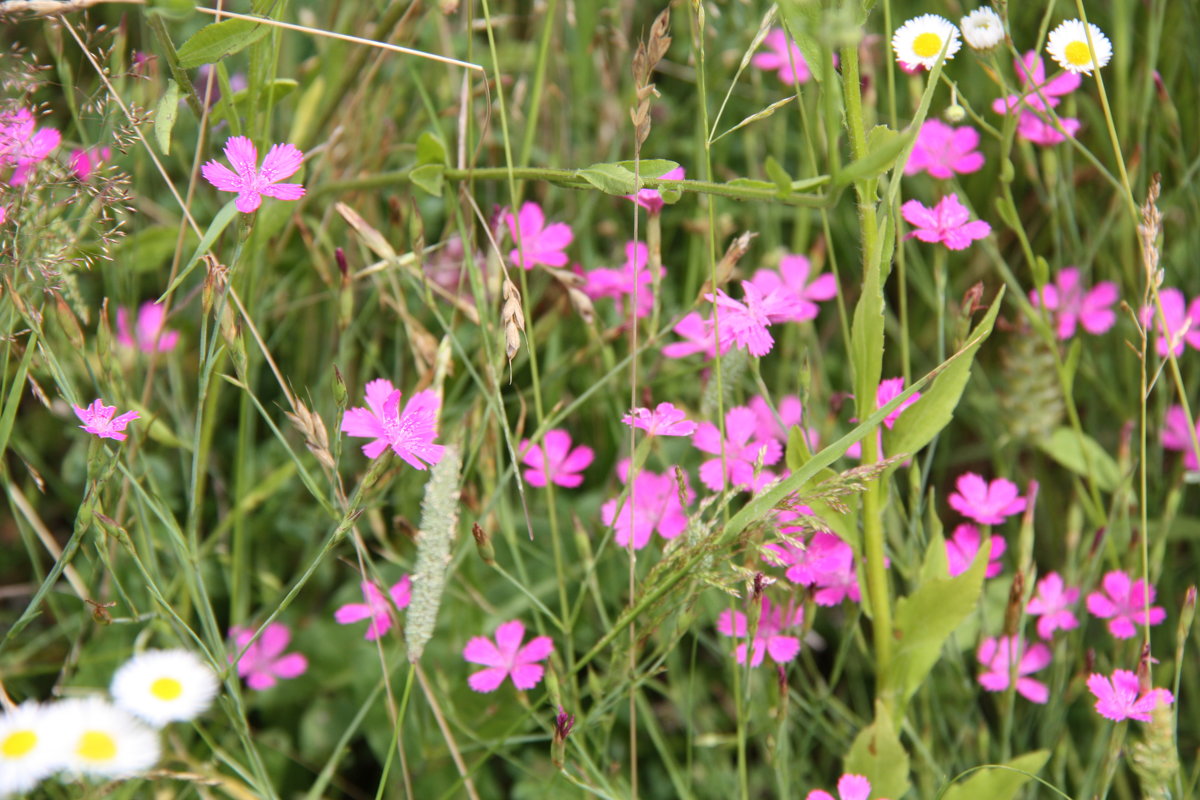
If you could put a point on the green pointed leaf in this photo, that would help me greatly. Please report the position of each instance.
(798, 451)
(878, 755)
(220, 222)
(609, 178)
(213, 42)
(783, 181)
(1082, 455)
(164, 117)
(999, 783)
(884, 147)
(650, 167)
(429, 177)
(431, 150)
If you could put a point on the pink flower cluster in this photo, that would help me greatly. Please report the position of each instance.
(824, 563)
(769, 637)
(653, 505)
(1071, 306)
(1123, 697)
(943, 151)
(1036, 124)
(23, 144)
(1182, 322)
(633, 281)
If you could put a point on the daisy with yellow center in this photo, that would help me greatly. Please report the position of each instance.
(162, 686)
(100, 739)
(28, 751)
(920, 41)
(1068, 45)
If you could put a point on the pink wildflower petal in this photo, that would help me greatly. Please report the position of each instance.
(731, 623)
(293, 665)
(854, 787)
(243, 155)
(1033, 690)
(351, 613)
(377, 393)
(401, 592)
(538, 649)
(282, 161)
(361, 422)
(260, 681)
(819, 794)
(248, 202)
(482, 650)
(284, 191)
(221, 177)
(274, 640)
(783, 648)
(556, 237)
(487, 680)
(527, 676)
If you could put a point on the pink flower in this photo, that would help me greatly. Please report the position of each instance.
(698, 337)
(1072, 306)
(664, 420)
(745, 323)
(655, 507)
(3, 214)
(263, 664)
(1183, 322)
(22, 145)
(888, 390)
(98, 419)
(783, 57)
(506, 657)
(742, 449)
(793, 281)
(1117, 699)
(1125, 604)
(540, 243)
(997, 655)
(790, 414)
(947, 222)
(378, 609)
(250, 183)
(1052, 605)
(826, 563)
(1032, 74)
(1177, 435)
(86, 162)
(1040, 129)
(410, 434)
(769, 638)
(963, 545)
(622, 283)
(554, 461)
(651, 199)
(151, 334)
(850, 787)
(942, 151)
(986, 503)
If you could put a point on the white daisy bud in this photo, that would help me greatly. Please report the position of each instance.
(982, 28)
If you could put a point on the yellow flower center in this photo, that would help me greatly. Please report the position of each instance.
(166, 689)
(18, 744)
(1078, 53)
(927, 45)
(96, 746)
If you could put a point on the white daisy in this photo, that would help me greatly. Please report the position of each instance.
(920, 41)
(28, 751)
(982, 28)
(162, 686)
(1068, 45)
(100, 739)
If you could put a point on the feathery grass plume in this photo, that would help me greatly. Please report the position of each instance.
(1150, 230)
(439, 523)
(1031, 404)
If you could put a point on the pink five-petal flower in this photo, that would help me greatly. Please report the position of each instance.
(1125, 604)
(22, 144)
(998, 655)
(793, 280)
(86, 162)
(783, 57)
(1072, 306)
(1178, 316)
(248, 181)
(826, 563)
(1035, 88)
(745, 323)
(98, 419)
(664, 420)
(263, 663)
(963, 546)
(947, 222)
(377, 608)
(651, 199)
(632, 279)
(769, 638)
(534, 241)
(410, 433)
(151, 335)
(850, 787)
(655, 506)
(1051, 604)
(1118, 698)
(553, 461)
(506, 657)
(1177, 435)
(742, 449)
(698, 337)
(1041, 129)
(942, 150)
(986, 503)
(889, 389)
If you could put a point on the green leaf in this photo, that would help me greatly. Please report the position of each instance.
(213, 42)
(878, 755)
(430, 150)
(609, 178)
(917, 426)
(999, 783)
(1083, 455)
(164, 117)
(752, 183)
(783, 181)
(219, 224)
(798, 451)
(1004, 208)
(866, 340)
(884, 146)
(650, 167)
(429, 177)
(271, 93)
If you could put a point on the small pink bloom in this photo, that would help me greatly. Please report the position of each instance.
(1072, 306)
(769, 638)
(98, 419)
(22, 145)
(742, 449)
(378, 607)
(623, 283)
(1052, 605)
(3, 214)
(264, 664)
(783, 57)
(554, 461)
(986, 503)
(888, 390)
(850, 787)
(1118, 698)
(410, 433)
(655, 507)
(943, 151)
(86, 162)
(794, 281)
(947, 222)
(1177, 436)
(998, 655)
(249, 182)
(963, 545)
(151, 335)
(1031, 72)
(664, 420)
(540, 243)
(507, 658)
(1183, 322)
(1041, 129)
(790, 414)
(698, 337)
(651, 199)
(826, 563)
(745, 323)
(1125, 604)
